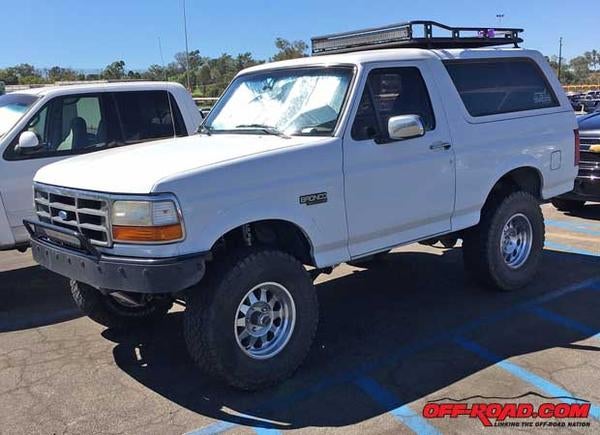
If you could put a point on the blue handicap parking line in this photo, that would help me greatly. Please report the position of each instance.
(265, 431)
(214, 428)
(538, 382)
(222, 426)
(566, 321)
(584, 228)
(404, 414)
(402, 352)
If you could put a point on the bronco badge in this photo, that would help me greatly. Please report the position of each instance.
(314, 198)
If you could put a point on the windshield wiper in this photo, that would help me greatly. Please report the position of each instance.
(266, 128)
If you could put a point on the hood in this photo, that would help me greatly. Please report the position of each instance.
(589, 125)
(138, 168)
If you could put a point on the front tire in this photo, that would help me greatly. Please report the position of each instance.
(567, 204)
(505, 249)
(254, 320)
(110, 312)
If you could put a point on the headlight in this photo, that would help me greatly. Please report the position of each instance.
(146, 221)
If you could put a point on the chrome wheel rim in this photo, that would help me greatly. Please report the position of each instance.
(265, 320)
(516, 241)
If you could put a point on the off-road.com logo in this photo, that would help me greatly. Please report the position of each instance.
(497, 414)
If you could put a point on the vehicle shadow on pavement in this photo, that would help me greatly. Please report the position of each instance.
(31, 297)
(392, 324)
(589, 211)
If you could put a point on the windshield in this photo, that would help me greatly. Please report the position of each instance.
(12, 108)
(293, 102)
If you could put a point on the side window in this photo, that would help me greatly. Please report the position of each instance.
(495, 86)
(81, 124)
(180, 128)
(391, 92)
(145, 115)
(67, 125)
(38, 124)
(365, 123)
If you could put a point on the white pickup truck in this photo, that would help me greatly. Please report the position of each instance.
(379, 140)
(43, 125)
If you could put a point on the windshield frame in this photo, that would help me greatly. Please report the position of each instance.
(34, 100)
(215, 110)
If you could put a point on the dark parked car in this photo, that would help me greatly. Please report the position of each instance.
(587, 184)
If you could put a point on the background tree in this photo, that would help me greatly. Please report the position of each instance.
(566, 75)
(114, 71)
(289, 50)
(593, 58)
(21, 74)
(9, 77)
(210, 76)
(60, 74)
(580, 67)
(155, 72)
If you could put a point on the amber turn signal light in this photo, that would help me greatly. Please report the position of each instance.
(166, 233)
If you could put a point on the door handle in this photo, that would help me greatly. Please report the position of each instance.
(440, 146)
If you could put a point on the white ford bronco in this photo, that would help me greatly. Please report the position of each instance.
(381, 139)
(43, 125)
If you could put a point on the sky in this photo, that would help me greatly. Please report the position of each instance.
(89, 34)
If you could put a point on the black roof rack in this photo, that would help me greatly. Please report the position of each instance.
(410, 35)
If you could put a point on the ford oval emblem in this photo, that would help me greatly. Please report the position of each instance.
(63, 215)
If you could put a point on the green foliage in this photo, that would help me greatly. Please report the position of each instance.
(59, 74)
(210, 76)
(289, 50)
(114, 71)
(21, 74)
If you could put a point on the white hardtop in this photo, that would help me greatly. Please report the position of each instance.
(395, 54)
(59, 90)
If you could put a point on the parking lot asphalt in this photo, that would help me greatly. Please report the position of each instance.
(392, 337)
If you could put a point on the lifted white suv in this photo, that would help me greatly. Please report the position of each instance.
(314, 162)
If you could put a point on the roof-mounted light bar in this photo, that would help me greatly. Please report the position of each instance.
(415, 34)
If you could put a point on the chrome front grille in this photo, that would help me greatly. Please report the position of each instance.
(587, 157)
(75, 210)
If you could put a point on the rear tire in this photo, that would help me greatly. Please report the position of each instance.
(505, 249)
(248, 338)
(109, 312)
(567, 204)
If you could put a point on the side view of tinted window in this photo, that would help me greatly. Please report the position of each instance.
(180, 128)
(391, 92)
(145, 115)
(70, 125)
(495, 86)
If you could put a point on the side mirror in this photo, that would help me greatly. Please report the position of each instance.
(28, 141)
(405, 127)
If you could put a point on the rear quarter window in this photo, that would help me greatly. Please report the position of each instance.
(496, 86)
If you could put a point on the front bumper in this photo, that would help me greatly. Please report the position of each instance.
(112, 273)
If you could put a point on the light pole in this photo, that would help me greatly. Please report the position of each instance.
(500, 17)
(559, 58)
(187, 51)
(162, 59)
